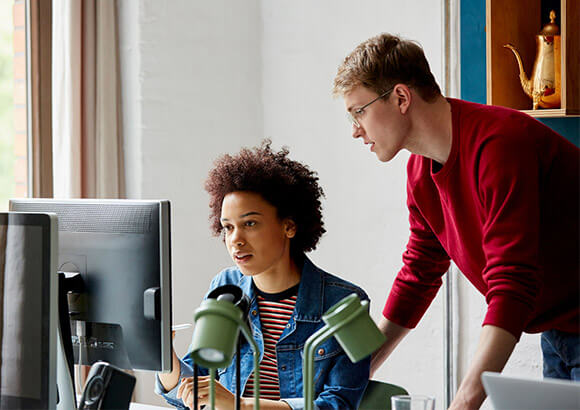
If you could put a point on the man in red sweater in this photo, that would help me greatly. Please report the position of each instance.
(490, 188)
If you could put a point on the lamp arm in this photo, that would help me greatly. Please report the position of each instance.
(312, 343)
(256, 352)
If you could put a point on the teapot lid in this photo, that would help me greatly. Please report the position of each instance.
(551, 29)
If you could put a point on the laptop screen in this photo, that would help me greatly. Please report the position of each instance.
(509, 392)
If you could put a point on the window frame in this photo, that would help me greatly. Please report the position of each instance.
(39, 97)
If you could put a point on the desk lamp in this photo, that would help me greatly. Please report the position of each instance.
(219, 320)
(355, 331)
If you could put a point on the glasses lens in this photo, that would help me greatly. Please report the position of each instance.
(352, 120)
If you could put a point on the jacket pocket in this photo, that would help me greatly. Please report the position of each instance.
(324, 357)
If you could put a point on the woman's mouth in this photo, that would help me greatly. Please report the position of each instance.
(242, 258)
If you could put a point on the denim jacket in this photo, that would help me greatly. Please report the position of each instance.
(339, 383)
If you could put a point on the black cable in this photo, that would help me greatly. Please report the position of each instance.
(195, 387)
(238, 361)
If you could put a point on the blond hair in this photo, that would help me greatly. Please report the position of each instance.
(383, 61)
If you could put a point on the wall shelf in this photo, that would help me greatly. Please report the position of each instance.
(518, 22)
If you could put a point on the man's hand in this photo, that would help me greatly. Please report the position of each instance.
(394, 334)
(493, 351)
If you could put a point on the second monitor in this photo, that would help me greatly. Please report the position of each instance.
(121, 248)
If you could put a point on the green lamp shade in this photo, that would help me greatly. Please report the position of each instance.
(356, 332)
(216, 333)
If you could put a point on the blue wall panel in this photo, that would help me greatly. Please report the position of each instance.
(472, 60)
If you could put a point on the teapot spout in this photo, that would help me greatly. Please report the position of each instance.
(526, 83)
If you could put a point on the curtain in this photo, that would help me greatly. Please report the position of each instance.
(86, 116)
(87, 140)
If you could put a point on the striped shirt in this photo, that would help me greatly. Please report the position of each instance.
(275, 311)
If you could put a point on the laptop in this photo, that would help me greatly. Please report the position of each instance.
(514, 393)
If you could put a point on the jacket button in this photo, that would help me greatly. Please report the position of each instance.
(320, 352)
(283, 367)
(254, 313)
(288, 325)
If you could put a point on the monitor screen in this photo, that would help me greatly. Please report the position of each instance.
(121, 249)
(28, 330)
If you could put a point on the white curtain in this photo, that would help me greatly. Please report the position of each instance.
(87, 140)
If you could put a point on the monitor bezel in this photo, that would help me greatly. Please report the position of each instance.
(48, 224)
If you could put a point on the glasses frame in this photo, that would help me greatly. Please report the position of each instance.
(351, 116)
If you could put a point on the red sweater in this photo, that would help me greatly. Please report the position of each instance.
(505, 208)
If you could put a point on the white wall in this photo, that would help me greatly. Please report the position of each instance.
(205, 78)
(191, 90)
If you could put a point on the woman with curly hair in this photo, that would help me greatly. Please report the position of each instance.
(268, 209)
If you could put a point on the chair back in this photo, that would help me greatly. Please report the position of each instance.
(377, 395)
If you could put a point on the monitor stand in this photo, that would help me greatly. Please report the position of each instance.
(67, 399)
(65, 359)
(64, 379)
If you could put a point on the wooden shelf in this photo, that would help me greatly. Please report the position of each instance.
(518, 23)
(552, 113)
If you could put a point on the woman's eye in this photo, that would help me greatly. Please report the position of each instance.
(250, 223)
(227, 228)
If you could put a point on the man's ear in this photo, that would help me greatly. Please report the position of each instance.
(289, 228)
(404, 97)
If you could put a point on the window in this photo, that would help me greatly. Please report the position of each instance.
(13, 137)
(25, 99)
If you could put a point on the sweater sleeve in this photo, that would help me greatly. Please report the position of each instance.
(509, 186)
(424, 263)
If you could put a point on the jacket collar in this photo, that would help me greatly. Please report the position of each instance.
(309, 304)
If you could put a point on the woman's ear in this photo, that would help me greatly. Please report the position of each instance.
(289, 228)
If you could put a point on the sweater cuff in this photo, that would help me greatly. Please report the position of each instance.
(404, 311)
(508, 313)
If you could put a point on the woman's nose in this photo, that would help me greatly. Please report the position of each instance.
(236, 238)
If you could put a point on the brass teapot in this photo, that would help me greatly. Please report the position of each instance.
(543, 86)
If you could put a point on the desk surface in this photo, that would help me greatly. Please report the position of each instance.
(139, 406)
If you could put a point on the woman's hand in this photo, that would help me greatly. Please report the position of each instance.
(224, 399)
(170, 380)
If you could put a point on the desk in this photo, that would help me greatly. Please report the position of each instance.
(139, 406)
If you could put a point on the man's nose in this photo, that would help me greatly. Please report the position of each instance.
(357, 132)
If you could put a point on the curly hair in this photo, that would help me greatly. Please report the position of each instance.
(383, 61)
(291, 187)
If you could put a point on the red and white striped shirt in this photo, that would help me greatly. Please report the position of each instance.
(275, 311)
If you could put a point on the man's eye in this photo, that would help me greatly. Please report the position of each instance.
(227, 228)
(250, 223)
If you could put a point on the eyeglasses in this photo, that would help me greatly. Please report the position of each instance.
(358, 112)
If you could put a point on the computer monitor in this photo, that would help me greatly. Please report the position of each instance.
(28, 288)
(121, 248)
